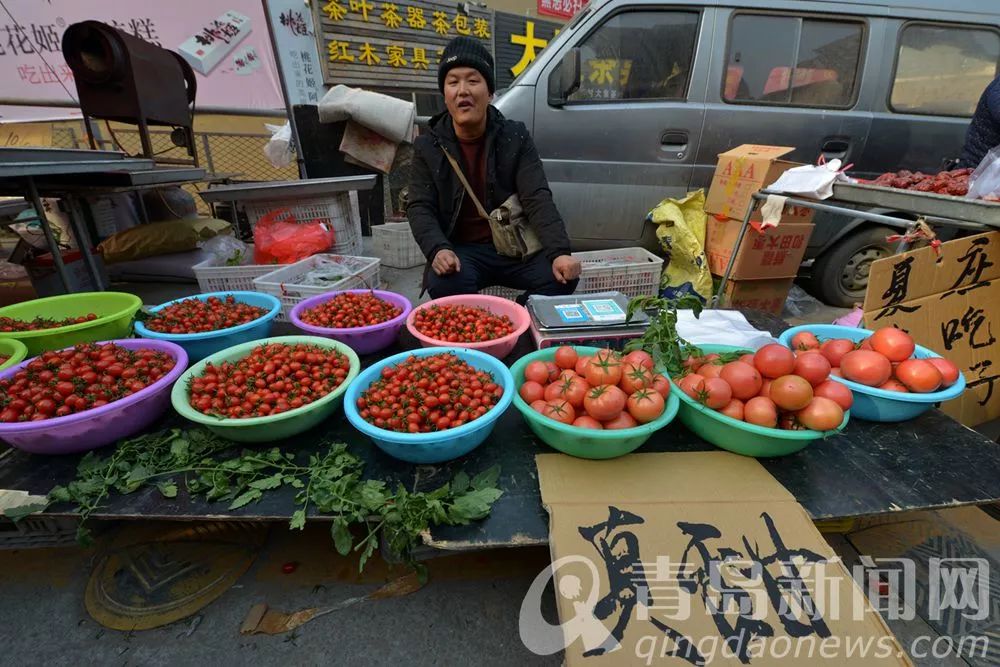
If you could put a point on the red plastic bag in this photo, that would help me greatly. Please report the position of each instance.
(279, 238)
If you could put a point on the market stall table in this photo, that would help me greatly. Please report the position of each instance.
(869, 469)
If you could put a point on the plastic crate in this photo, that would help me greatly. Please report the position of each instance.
(212, 277)
(394, 244)
(340, 211)
(631, 271)
(284, 283)
(38, 532)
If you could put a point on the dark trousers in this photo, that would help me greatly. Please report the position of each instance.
(483, 266)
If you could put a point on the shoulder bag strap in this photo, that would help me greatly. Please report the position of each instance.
(465, 184)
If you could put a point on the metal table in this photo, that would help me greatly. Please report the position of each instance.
(869, 469)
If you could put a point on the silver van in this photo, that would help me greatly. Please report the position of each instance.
(634, 100)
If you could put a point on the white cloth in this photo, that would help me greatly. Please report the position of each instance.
(390, 117)
(811, 180)
(770, 212)
(721, 327)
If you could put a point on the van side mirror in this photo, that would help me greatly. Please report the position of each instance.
(566, 79)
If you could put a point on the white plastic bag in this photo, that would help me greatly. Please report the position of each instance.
(227, 251)
(811, 180)
(278, 149)
(984, 182)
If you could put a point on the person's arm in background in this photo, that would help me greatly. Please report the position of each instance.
(984, 129)
(422, 209)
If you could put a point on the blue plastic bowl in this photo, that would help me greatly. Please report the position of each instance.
(201, 345)
(439, 446)
(873, 404)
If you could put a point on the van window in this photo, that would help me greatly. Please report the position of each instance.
(638, 56)
(792, 61)
(943, 70)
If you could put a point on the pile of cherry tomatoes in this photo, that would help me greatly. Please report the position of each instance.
(10, 324)
(428, 393)
(461, 324)
(272, 379)
(3, 359)
(773, 388)
(350, 310)
(603, 391)
(883, 360)
(56, 384)
(199, 316)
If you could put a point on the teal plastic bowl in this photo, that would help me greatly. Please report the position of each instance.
(271, 427)
(115, 312)
(739, 437)
(14, 350)
(871, 403)
(585, 443)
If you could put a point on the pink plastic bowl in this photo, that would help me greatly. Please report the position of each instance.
(363, 340)
(101, 426)
(498, 348)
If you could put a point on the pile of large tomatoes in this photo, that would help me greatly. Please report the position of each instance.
(603, 391)
(199, 316)
(883, 360)
(430, 393)
(56, 384)
(272, 379)
(461, 324)
(773, 388)
(10, 324)
(350, 310)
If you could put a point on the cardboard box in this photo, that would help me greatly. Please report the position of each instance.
(949, 301)
(766, 295)
(740, 173)
(774, 253)
(687, 558)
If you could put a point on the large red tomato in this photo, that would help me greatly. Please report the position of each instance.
(765, 389)
(822, 414)
(813, 367)
(539, 406)
(531, 391)
(645, 405)
(640, 358)
(734, 409)
(561, 411)
(661, 384)
(604, 402)
(791, 392)
(866, 367)
(692, 385)
(949, 371)
(716, 394)
(571, 389)
(710, 370)
(894, 385)
(760, 411)
(537, 372)
(919, 375)
(635, 377)
(744, 379)
(604, 368)
(895, 344)
(566, 357)
(837, 392)
(581, 365)
(774, 360)
(623, 420)
(586, 421)
(835, 349)
(805, 340)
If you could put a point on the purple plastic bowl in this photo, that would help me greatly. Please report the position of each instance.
(363, 340)
(101, 426)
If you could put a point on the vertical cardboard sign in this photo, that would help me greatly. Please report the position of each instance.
(949, 301)
(694, 559)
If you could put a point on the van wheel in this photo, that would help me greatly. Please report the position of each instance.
(840, 275)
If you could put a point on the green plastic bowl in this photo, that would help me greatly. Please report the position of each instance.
(115, 312)
(740, 437)
(14, 349)
(584, 443)
(271, 427)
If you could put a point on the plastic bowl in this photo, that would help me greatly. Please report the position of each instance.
(114, 310)
(101, 426)
(582, 442)
(363, 340)
(873, 404)
(14, 350)
(201, 345)
(498, 348)
(271, 427)
(738, 436)
(439, 446)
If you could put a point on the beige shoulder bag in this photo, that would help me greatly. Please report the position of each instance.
(512, 234)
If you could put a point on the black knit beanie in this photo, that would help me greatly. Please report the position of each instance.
(466, 52)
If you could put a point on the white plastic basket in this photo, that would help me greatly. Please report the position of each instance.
(340, 211)
(214, 277)
(285, 283)
(631, 271)
(394, 244)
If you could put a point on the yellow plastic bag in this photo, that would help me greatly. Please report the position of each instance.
(680, 227)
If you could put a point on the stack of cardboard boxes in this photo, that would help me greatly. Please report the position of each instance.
(767, 261)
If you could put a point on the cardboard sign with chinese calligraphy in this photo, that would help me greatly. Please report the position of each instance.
(295, 38)
(519, 40)
(948, 301)
(392, 45)
(695, 558)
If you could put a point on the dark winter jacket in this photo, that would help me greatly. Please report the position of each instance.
(512, 166)
(984, 131)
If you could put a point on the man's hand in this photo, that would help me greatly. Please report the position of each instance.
(446, 262)
(565, 268)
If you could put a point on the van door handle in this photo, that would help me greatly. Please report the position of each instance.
(835, 147)
(674, 139)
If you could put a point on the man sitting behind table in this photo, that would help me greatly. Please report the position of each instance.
(498, 159)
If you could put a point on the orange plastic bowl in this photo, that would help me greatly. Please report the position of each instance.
(498, 348)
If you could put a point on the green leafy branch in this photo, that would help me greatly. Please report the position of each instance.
(661, 339)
